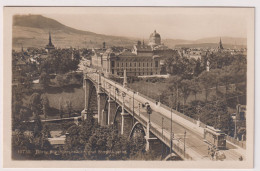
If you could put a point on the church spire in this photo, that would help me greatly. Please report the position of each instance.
(49, 46)
(50, 43)
(220, 47)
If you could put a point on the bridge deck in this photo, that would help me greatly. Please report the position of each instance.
(195, 147)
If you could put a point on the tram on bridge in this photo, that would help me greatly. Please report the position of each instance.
(215, 137)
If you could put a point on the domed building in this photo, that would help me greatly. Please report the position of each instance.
(142, 60)
(155, 39)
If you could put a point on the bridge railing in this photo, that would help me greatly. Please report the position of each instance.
(164, 138)
(236, 142)
(180, 114)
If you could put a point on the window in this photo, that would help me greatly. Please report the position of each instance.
(118, 64)
(143, 64)
(156, 64)
(135, 64)
(139, 64)
(147, 64)
(112, 71)
(151, 64)
(122, 64)
(113, 63)
(130, 64)
(126, 64)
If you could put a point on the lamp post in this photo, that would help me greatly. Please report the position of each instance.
(149, 112)
(162, 137)
(139, 106)
(162, 126)
(116, 91)
(184, 142)
(133, 107)
(171, 126)
(123, 95)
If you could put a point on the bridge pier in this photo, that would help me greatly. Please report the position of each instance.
(126, 123)
(101, 102)
(150, 140)
(87, 89)
(111, 111)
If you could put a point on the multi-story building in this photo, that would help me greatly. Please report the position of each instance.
(141, 60)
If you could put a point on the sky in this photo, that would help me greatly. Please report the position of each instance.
(170, 22)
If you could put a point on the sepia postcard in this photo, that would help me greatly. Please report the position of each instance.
(128, 87)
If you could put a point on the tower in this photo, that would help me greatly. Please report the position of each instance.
(22, 48)
(49, 47)
(220, 46)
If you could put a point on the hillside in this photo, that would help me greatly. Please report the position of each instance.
(32, 31)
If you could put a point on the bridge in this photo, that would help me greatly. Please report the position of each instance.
(127, 110)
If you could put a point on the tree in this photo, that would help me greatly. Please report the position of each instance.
(174, 82)
(185, 86)
(195, 87)
(69, 107)
(73, 139)
(37, 127)
(61, 107)
(35, 103)
(24, 113)
(197, 69)
(215, 73)
(87, 128)
(216, 114)
(45, 105)
(44, 79)
(45, 144)
(60, 80)
(207, 81)
(21, 142)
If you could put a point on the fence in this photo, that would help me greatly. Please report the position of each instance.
(239, 143)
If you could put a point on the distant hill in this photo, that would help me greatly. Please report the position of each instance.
(33, 31)
(212, 42)
(209, 45)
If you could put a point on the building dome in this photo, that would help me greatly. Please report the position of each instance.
(155, 39)
(155, 34)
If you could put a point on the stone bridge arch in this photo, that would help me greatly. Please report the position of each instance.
(137, 127)
(123, 121)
